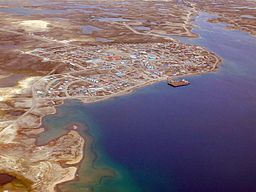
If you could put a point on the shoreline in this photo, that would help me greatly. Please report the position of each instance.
(89, 158)
(52, 110)
(89, 138)
(105, 98)
(19, 130)
(75, 165)
(50, 165)
(218, 62)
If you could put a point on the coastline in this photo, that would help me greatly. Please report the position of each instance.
(131, 90)
(218, 62)
(31, 134)
(77, 162)
(89, 159)
(48, 166)
(88, 138)
(33, 131)
(219, 91)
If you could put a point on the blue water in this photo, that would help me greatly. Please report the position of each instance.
(190, 139)
(112, 19)
(17, 8)
(89, 29)
(30, 11)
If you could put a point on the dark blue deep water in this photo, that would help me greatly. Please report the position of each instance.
(199, 138)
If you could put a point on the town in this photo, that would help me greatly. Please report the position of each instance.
(100, 71)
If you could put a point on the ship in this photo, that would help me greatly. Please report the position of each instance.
(178, 83)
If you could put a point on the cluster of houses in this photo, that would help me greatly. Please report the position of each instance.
(116, 64)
